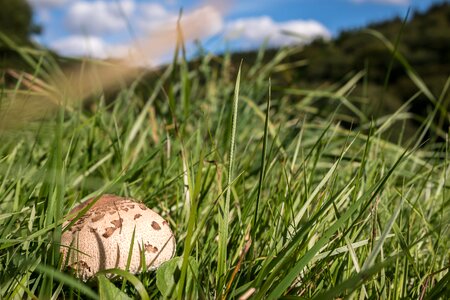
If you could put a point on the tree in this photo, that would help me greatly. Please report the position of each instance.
(16, 20)
(16, 23)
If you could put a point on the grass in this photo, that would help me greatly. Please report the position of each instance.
(267, 197)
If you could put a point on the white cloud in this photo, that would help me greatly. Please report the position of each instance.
(154, 17)
(154, 11)
(99, 17)
(46, 3)
(393, 2)
(253, 31)
(152, 21)
(151, 16)
(208, 19)
(91, 46)
(96, 47)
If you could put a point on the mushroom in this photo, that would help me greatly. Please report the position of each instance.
(101, 238)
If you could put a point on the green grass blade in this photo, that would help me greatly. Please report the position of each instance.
(224, 219)
(263, 160)
(68, 280)
(131, 278)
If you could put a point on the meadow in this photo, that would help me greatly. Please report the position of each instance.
(267, 197)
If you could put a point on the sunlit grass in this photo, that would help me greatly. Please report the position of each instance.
(265, 199)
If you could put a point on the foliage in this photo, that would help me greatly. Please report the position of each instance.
(299, 205)
(424, 40)
(16, 23)
(268, 193)
(16, 20)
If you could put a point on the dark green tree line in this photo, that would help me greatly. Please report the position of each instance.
(16, 23)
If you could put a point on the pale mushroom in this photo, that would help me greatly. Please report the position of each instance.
(101, 238)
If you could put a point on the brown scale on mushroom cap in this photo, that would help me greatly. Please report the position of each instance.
(103, 237)
(156, 226)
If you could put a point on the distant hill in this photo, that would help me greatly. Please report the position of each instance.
(424, 40)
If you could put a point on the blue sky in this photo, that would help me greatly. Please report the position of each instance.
(103, 28)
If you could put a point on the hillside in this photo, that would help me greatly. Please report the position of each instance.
(423, 40)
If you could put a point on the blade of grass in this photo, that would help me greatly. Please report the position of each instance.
(263, 162)
(131, 278)
(224, 206)
(67, 280)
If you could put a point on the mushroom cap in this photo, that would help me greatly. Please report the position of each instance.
(101, 239)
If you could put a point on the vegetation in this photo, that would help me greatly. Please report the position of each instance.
(16, 20)
(16, 23)
(423, 41)
(268, 195)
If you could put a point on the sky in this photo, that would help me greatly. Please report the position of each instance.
(107, 28)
